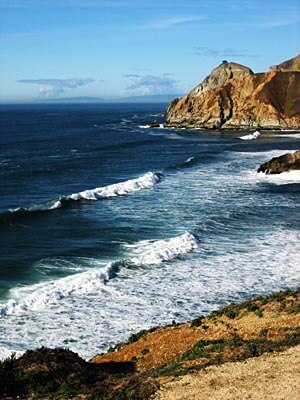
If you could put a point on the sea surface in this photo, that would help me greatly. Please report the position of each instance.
(109, 227)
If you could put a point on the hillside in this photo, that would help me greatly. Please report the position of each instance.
(172, 362)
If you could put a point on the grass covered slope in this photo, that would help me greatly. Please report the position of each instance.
(150, 359)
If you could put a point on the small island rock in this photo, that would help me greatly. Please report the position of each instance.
(284, 163)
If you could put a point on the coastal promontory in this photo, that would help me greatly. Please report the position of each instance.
(234, 97)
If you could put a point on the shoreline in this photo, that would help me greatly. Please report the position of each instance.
(152, 359)
(233, 129)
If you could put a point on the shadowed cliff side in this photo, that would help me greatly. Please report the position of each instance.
(233, 97)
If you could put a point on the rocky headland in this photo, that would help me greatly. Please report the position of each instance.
(234, 97)
(244, 350)
(277, 165)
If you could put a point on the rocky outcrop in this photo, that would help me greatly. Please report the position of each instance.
(284, 163)
(233, 97)
(290, 65)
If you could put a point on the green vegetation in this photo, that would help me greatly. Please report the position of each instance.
(259, 313)
(195, 323)
(295, 309)
(212, 352)
(234, 310)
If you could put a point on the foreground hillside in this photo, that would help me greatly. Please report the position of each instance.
(233, 97)
(171, 362)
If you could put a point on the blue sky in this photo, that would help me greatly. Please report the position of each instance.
(114, 48)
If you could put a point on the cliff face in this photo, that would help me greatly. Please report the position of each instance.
(232, 96)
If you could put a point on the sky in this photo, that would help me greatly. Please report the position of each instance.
(115, 48)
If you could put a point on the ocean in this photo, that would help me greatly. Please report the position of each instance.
(109, 227)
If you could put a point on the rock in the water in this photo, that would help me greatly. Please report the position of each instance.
(233, 97)
(284, 163)
(154, 124)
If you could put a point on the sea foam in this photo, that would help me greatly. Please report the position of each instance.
(278, 179)
(40, 296)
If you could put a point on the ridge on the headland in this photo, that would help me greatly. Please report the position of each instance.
(233, 97)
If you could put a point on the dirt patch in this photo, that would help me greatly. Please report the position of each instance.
(272, 377)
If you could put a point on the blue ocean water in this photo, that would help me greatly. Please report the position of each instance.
(108, 227)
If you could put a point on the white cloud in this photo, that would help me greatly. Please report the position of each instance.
(55, 87)
(227, 52)
(170, 22)
(79, 3)
(150, 84)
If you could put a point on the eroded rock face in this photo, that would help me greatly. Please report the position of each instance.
(233, 97)
(284, 163)
(219, 76)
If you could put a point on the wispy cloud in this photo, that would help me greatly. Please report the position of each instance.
(55, 87)
(170, 22)
(78, 3)
(151, 84)
(217, 53)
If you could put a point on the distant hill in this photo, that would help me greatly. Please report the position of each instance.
(73, 100)
(153, 98)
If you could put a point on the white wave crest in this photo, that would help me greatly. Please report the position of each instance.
(251, 136)
(40, 296)
(188, 160)
(155, 252)
(49, 205)
(161, 126)
(118, 189)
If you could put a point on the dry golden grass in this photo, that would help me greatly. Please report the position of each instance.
(268, 377)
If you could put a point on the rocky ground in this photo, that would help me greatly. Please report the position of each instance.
(245, 351)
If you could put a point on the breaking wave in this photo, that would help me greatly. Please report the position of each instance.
(149, 252)
(155, 252)
(161, 126)
(251, 136)
(118, 189)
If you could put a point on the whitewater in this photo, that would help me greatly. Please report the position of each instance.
(108, 228)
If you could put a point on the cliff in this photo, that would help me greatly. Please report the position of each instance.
(233, 97)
